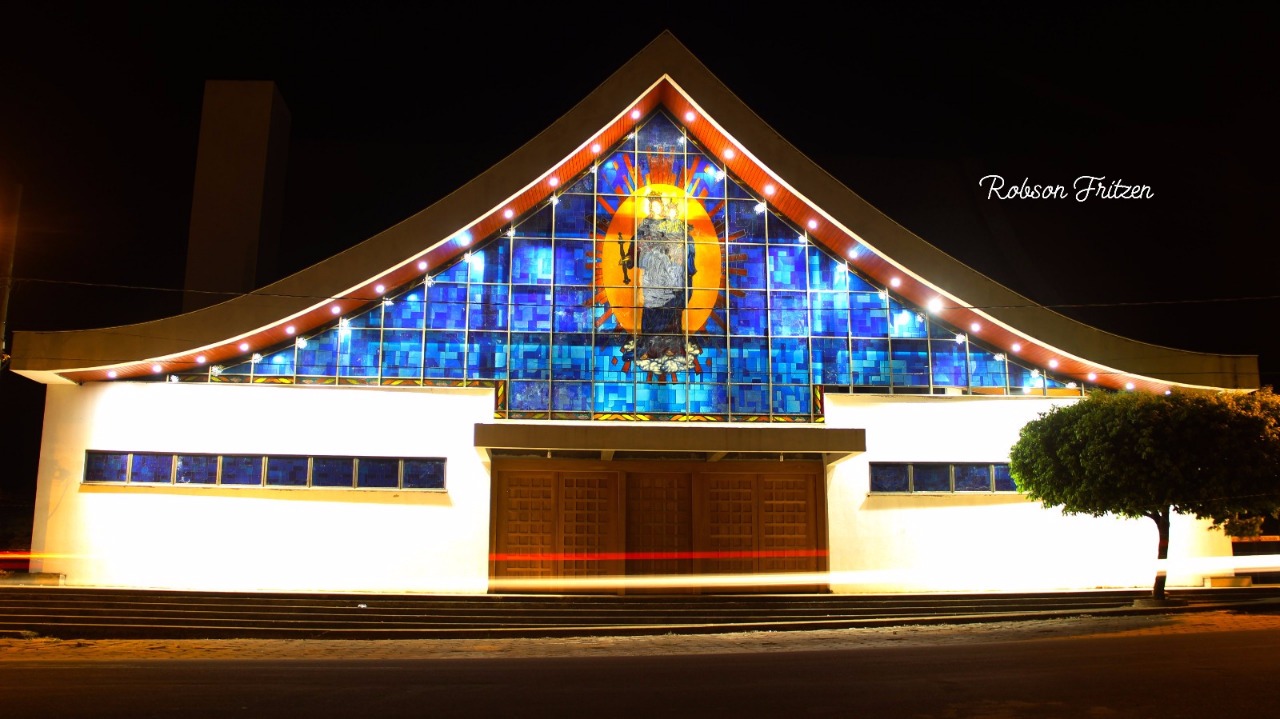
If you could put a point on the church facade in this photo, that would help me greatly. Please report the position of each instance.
(655, 349)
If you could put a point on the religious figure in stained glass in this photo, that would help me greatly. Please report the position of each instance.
(662, 276)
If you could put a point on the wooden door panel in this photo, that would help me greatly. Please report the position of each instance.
(659, 523)
(525, 537)
(589, 524)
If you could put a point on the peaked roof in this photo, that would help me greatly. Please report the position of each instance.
(663, 73)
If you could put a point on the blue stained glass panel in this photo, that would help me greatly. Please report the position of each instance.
(708, 399)
(736, 191)
(748, 313)
(583, 185)
(151, 468)
(869, 362)
(573, 264)
(360, 353)
(446, 307)
(369, 318)
(827, 273)
(408, 311)
(1004, 480)
(910, 363)
(858, 283)
(530, 356)
(660, 134)
(986, 369)
(530, 309)
(662, 397)
(276, 364)
(745, 223)
(456, 272)
(333, 472)
(931, 477)
(531, 262)
(445, 355)
(789, 313)
(571, 356)
(106, 466)
(491, 263)
(575, 218)
(401, 353)
(792, 399)
(940, 331)
(906, 323)
(537, 225)
(830, 360)
(782, 232)
(829, 314)
(529, 396)
(488, 307)
(746, 265)
(949, 363)
(574, 309)
(749, 399)
(424, 473)
(973, 477)
(320, 356)
(243, 369)
(571, 396)
(787, 269)
(868, 314)
(487, 355)
(890, 478)
(707, 176)
(240, 469)
(614, 397)
(749, 359)
(713, 361)
(1025, 380)
(378, 472)
(608, 358)
(286, 471)
(197, 469)
(614, 175)
(789, 360)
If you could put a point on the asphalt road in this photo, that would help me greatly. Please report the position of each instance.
(1114, 672)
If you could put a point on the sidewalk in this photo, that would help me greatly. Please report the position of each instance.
(56, 650)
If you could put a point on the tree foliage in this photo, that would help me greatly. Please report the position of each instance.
(1213, 455)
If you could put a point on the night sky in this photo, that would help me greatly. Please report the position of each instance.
(394, 105)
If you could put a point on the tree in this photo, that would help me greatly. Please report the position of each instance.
(1214, 455)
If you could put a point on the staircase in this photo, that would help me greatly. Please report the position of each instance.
(92, 613)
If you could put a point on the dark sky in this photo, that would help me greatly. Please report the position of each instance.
(394, 105)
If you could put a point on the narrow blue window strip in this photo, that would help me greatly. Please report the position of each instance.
(197, 469)
(106, 466)
(151, 468)
(378, 473)
(424, 473)
(287, 471)
(890, 478)
(242, 470)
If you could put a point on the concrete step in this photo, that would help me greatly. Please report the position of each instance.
(100, 613)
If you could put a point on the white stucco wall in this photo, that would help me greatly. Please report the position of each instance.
(240, 539)
(979, 542)
(261, 539)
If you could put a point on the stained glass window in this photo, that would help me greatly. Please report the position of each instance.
(655, 284)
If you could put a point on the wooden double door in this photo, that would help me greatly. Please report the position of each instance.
(566, 526)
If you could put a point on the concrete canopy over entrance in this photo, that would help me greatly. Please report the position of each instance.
(709, 443)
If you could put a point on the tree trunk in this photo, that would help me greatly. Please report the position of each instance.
(1162, 551)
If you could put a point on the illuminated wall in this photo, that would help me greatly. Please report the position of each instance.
(246, 538)
(654, 286)
(975, 541)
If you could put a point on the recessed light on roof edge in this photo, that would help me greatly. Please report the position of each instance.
(635, 114)
(728, 153)
(690, 116)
